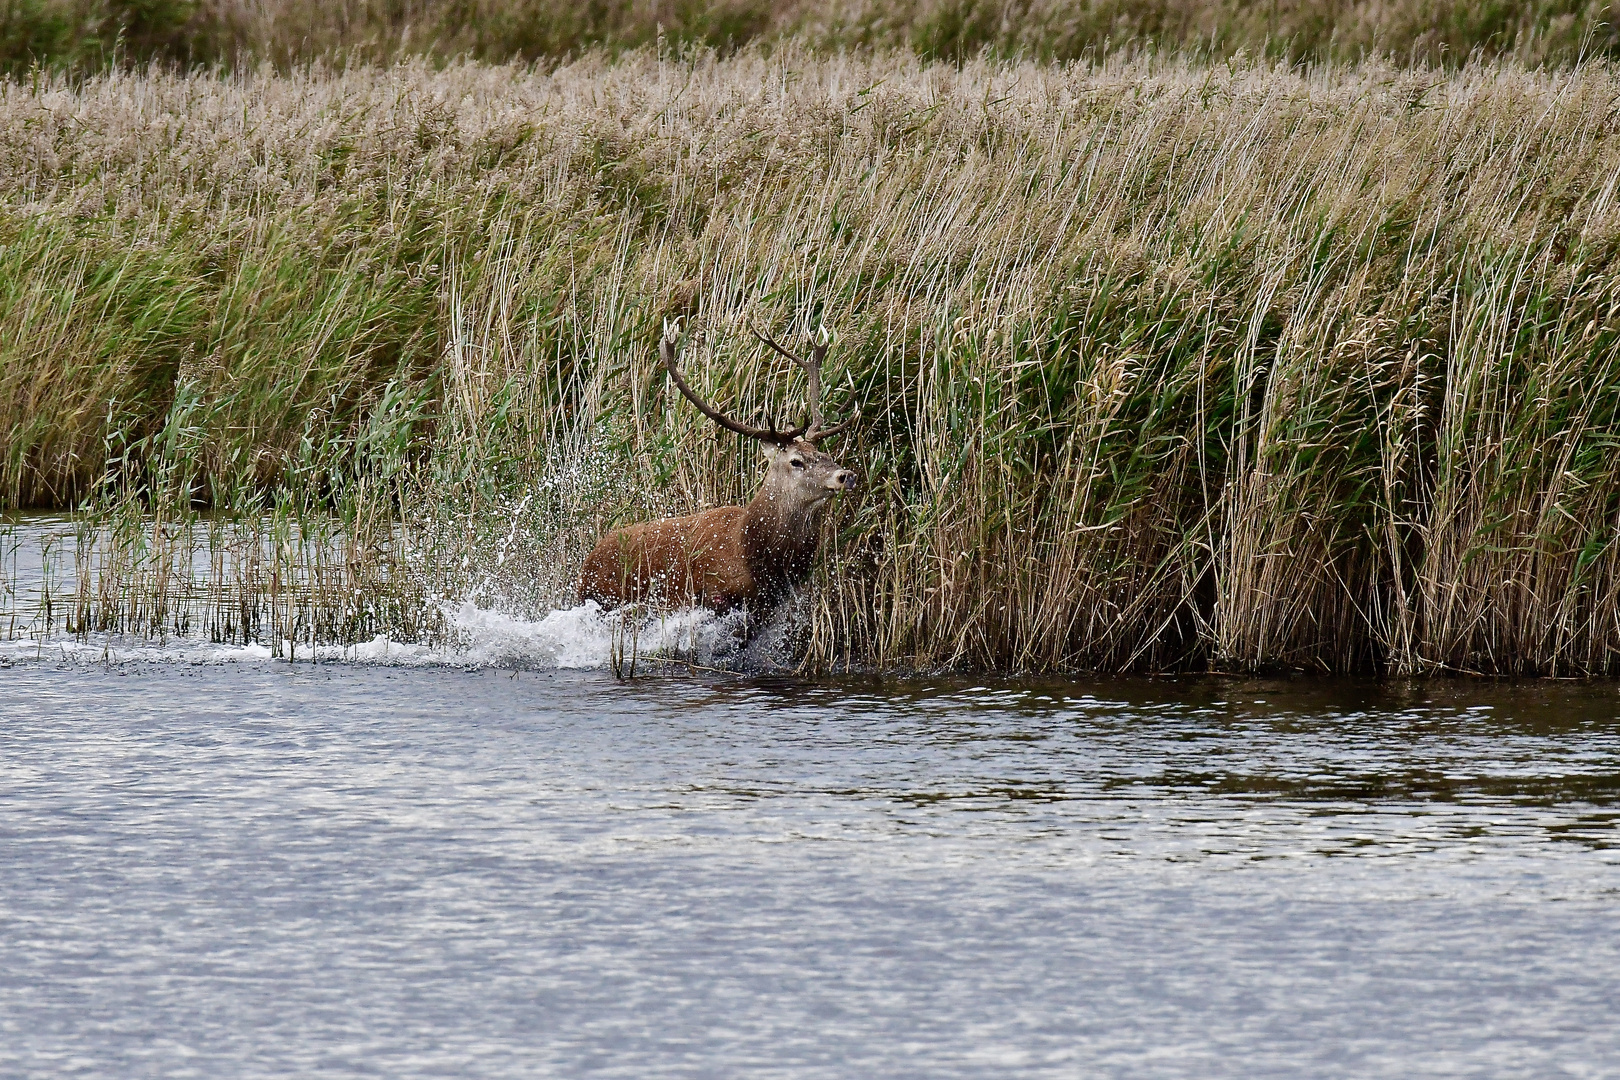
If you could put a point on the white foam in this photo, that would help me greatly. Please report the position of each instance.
(585, 637)
(579, 638)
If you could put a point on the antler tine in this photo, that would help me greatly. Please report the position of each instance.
(818, 354)
(815, 435)
(812, 371)
(766, 339)
(666, 353)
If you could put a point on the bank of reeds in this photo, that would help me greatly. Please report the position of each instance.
(1160, 363)
(89, 35)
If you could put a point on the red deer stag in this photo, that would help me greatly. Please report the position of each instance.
(731, 556)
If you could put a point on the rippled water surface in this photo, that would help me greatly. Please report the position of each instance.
(252, 868)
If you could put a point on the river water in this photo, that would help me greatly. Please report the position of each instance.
(255, 868)
(506, 862)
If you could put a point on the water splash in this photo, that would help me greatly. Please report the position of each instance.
(578, 638)
(586, 637)
(498, 627)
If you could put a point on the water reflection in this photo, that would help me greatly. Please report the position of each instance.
(1323, 747)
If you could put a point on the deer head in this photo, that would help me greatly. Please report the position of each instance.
(799, 475)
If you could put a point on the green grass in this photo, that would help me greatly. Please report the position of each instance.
(1162, 362)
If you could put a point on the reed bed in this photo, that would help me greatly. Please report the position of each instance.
(92, 34)
(1162, 363)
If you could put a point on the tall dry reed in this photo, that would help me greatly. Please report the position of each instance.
(1161, 363)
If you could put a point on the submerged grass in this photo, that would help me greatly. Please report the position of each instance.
(1162, 363)
(289, 582)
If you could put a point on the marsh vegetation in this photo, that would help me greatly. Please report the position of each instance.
(90, 34)
(1162, 361)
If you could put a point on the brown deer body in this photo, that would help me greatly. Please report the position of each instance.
(731, 556)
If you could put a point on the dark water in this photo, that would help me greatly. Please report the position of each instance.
(249, 870)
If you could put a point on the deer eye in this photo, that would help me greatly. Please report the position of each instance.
(797, 463)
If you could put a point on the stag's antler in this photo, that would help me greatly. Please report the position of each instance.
(666, 352)
(814, 432)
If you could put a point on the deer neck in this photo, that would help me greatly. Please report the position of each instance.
(780, 535)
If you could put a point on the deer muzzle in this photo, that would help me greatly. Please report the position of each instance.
(843, 480)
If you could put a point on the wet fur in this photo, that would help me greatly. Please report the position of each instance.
(753, 555)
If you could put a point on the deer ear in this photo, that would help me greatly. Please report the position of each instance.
(771, 451)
